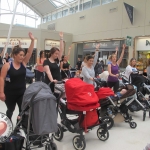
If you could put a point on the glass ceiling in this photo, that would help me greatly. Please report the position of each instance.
(60, 3)
(24, 15)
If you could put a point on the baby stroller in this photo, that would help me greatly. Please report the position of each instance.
(35, 124)
(29, 76)
(81, 102)
(112, 106)
(139, 102)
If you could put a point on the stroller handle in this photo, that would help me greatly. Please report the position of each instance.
(97, 82)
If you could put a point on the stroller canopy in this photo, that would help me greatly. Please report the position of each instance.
(44, 116)
(80, 95)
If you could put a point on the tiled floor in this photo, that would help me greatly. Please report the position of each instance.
(122, 137)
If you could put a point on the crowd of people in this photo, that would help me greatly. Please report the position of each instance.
(53, 69)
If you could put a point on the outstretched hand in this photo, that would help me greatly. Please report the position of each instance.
(61, 34)
(124, 46)
(97, 46)
(31, 36)
(117, 49)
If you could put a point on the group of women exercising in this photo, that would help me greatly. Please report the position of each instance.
(13, 73)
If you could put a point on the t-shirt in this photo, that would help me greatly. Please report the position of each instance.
(55, 71)
(128, 71)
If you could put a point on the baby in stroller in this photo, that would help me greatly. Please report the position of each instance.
(119, 94)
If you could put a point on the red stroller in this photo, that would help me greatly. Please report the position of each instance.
(83, 103)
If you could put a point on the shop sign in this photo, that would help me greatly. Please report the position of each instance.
(25, 43)
(103, 45)
(143, 44)
(50, 43)
(129, 41)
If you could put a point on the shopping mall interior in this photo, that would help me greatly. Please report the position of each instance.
(111, 24)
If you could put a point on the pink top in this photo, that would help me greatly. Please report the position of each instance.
(40, 67)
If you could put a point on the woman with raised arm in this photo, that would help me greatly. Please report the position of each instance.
(13, 76)
(88, 72)
(1, 57)
(39, 67)
(52, 64)
(113, 69)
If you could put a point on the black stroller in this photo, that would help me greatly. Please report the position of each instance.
(75, 125)
(35, 124)
(112, 106)
(139, 102)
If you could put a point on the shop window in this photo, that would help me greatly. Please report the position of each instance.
(142, 60)
(72, 10)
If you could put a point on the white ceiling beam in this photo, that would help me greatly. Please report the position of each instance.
(31, 7)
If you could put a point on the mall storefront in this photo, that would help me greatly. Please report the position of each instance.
(106, 49)
(49, 44)
(25, 43)
(143, 52)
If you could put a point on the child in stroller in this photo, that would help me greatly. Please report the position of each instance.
(81, 102)
(112, 104)
(140, 102)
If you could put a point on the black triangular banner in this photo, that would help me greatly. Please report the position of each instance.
(129, 10)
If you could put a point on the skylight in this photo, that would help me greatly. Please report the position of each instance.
(59, 3)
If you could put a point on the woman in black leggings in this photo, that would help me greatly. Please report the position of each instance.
(13, 75)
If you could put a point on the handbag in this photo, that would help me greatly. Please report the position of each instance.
(59, 86)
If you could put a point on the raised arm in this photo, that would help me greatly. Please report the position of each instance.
(121, 56)
(69, 52)
(61, 45)
(96, 54)
(30, 49)
(2, 53)
(19, 43)
(116, 51)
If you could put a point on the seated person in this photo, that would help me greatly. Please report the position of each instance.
(77, 75)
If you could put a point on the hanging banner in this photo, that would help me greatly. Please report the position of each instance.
(129, 10)
(129, 41)
(25, 43)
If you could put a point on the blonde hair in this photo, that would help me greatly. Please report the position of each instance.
(110, 57)
(130, 63)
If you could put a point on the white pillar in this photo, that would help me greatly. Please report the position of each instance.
(10, 28)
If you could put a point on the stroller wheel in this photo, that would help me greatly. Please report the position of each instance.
(59, 134)
(109, 121)
(51, 146)
(133, 125)
(102, 134)
(79, 142)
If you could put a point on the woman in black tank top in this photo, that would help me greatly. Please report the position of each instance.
(13, 77)
(64, 66)
(52, 64)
